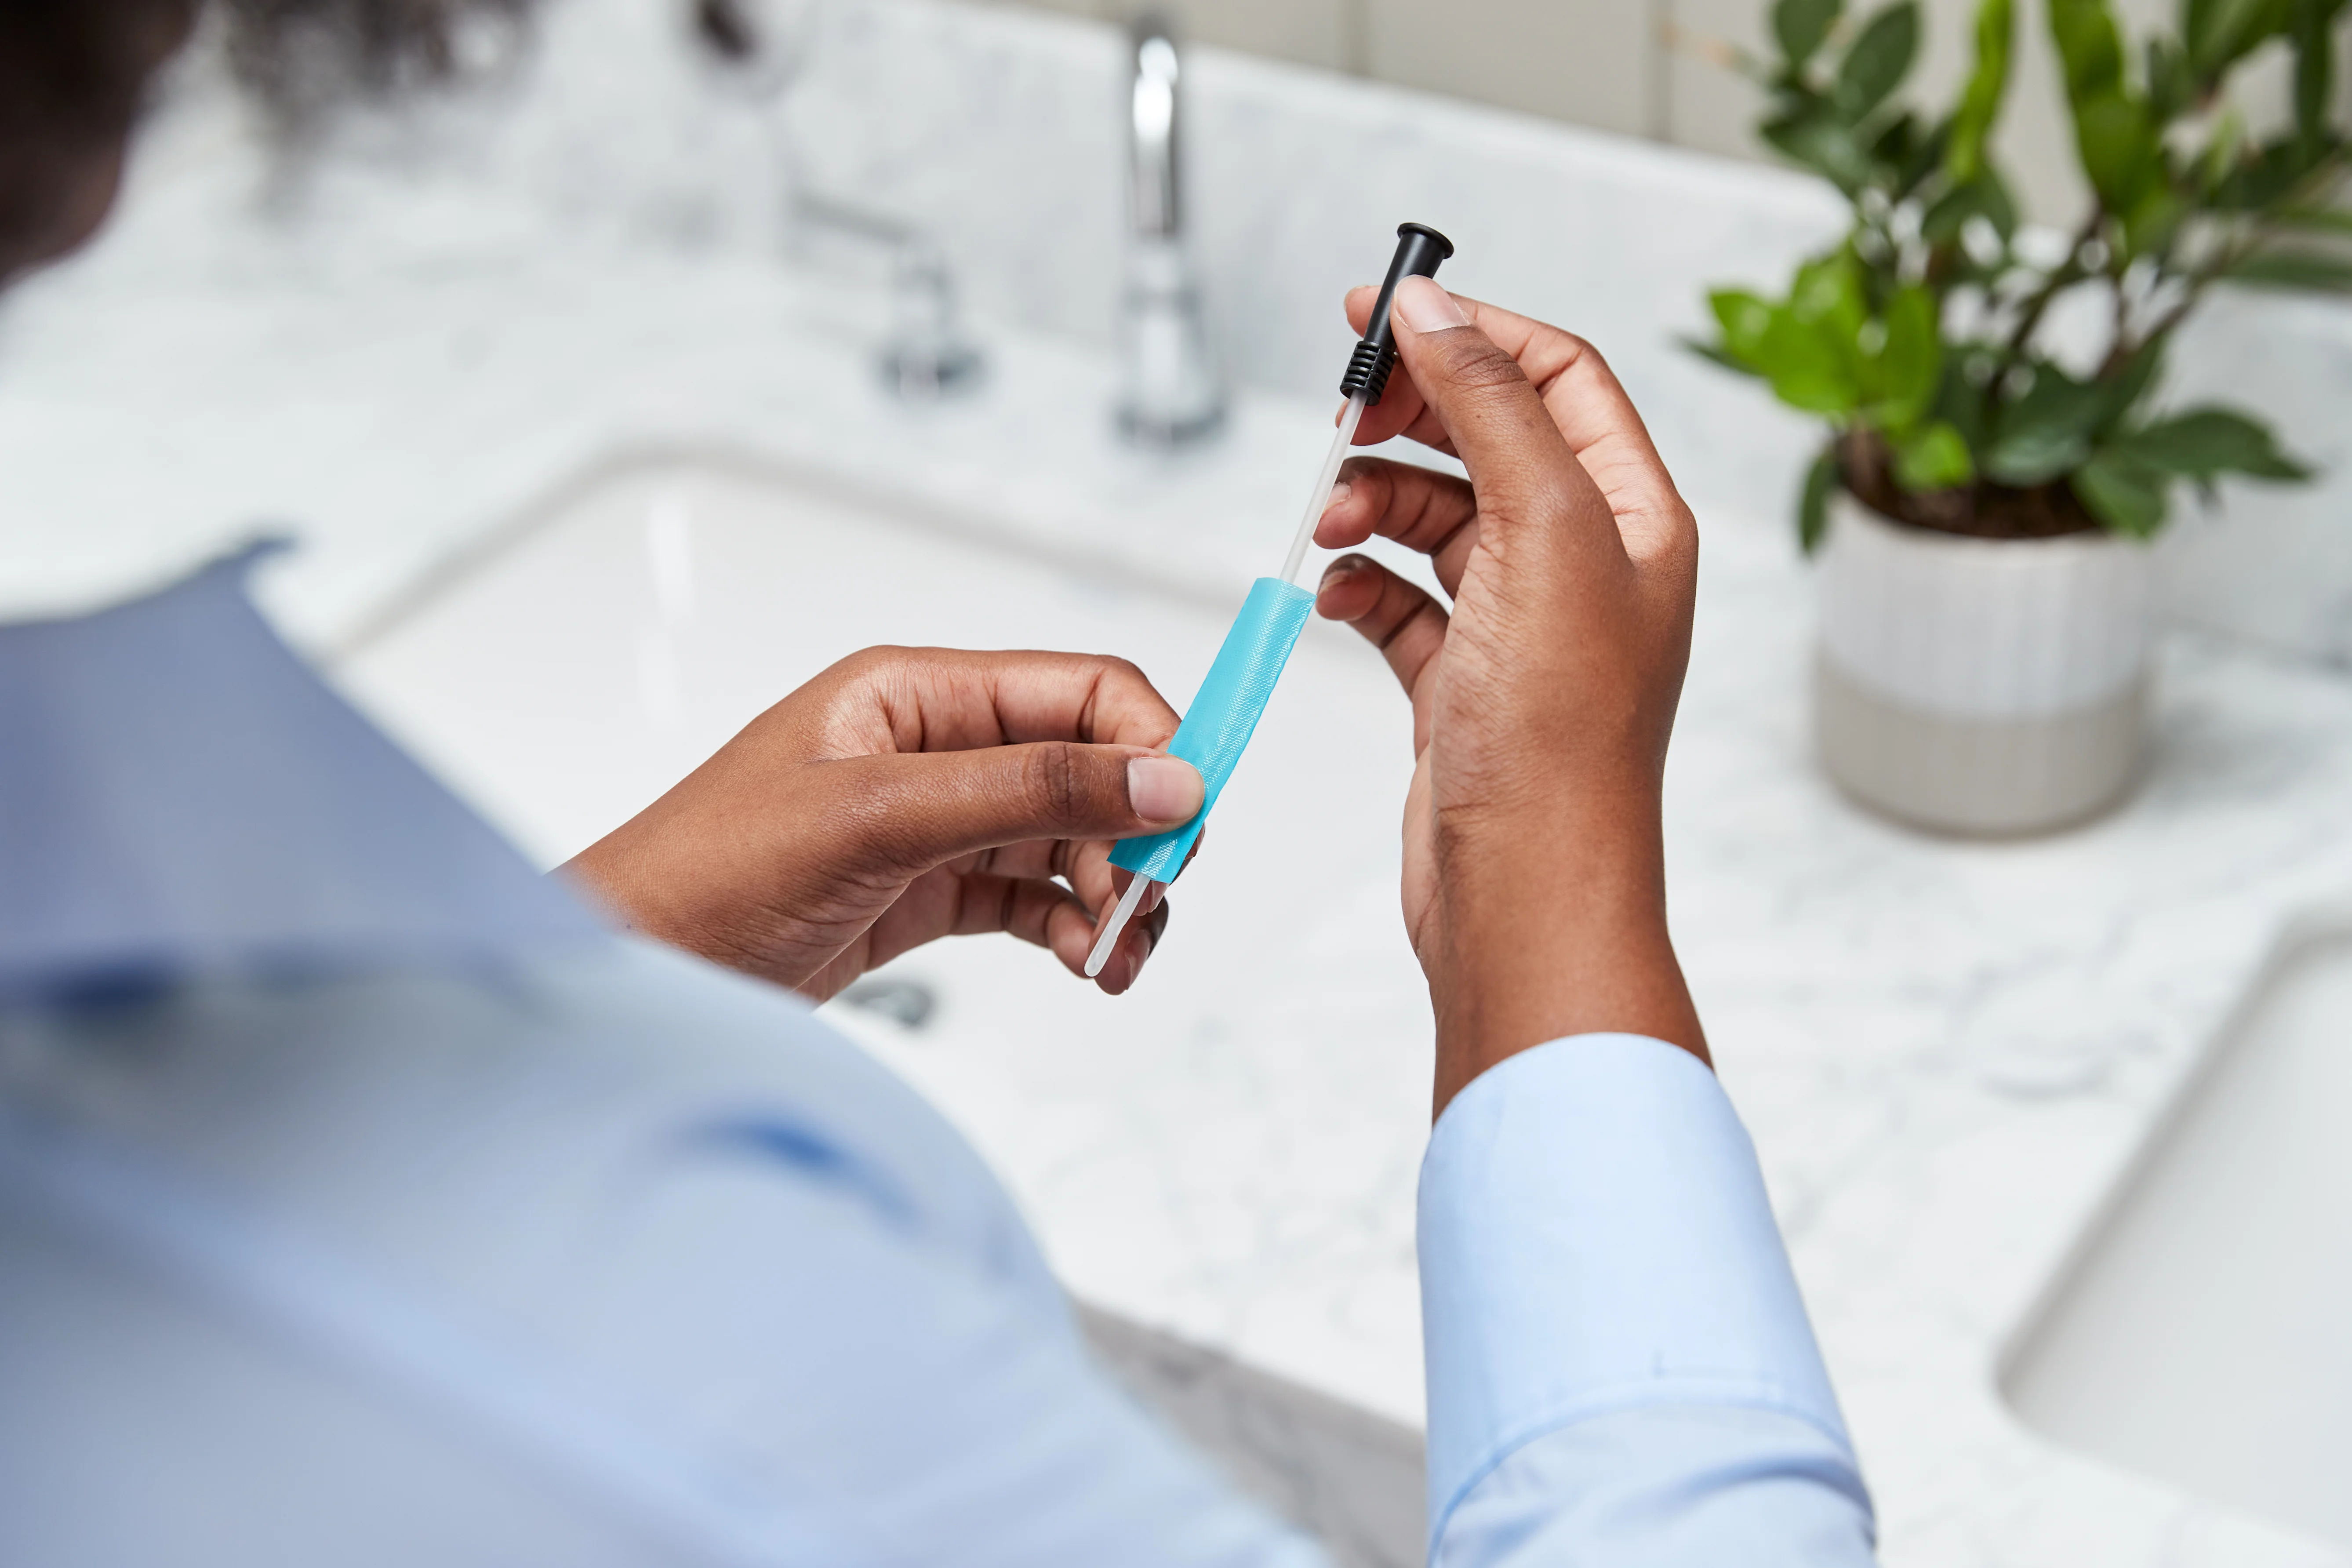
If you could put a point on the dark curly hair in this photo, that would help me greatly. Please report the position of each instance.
(300, 57)
(73, 74)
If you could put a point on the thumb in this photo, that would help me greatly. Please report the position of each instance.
(918, 810)
(1519, 464)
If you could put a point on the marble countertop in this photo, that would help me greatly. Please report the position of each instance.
(1947, 1053)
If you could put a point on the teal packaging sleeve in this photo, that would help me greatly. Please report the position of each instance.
(1224, 714)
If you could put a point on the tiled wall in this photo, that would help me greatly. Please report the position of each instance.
(1639, 67)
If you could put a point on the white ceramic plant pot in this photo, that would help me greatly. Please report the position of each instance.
(1981, 686)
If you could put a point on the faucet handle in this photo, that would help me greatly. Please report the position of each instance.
(927, 354)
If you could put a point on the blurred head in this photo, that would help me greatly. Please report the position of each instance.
(73, 75)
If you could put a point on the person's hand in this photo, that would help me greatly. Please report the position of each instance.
(902, 796)
(1534, 869)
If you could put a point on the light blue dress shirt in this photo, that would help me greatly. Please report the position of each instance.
(363, 1201)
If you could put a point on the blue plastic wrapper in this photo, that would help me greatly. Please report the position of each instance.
(1224, 714)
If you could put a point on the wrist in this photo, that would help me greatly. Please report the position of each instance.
(1554, 933)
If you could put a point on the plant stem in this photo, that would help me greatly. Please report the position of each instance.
(2120, 333)
(2063, 276)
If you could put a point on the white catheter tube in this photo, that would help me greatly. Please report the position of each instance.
(1321, 497)
(1136, 888)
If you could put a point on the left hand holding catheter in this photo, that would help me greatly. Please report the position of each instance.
(1224, 712)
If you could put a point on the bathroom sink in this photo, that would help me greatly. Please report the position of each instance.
(2202, 1335)
(579, 664)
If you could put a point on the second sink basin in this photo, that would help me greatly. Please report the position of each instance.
(2201, 1337)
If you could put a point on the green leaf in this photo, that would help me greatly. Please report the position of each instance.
(2127, 495)
(2119, 140)
(2036, 455)
(1813, 501)
(1986, 197)
(1810, 363)
(2122, 390)
(1822, 142)
(2196, 19)
(2000, 210)
(1972, 122)
(2121, 147)
(1933, 458)
(2090, 47)
(2295, 269)
(1802, 27)
(2047, 432)
(2152, 221)
(1960, 396)
(2320, 220)
(1911, 363)
(1829, 289)
(1942, 222)
(2171, 86)
(1878, 60)
(1808, 347)
(2265, 178)
(1743, 318)
(2218, 32)
(1904, 154)
(2204, 442)
(2310, 30)
(1715, 353)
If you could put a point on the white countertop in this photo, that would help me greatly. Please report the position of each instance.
(1946, 1052)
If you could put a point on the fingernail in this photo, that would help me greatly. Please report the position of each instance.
(1163, 789)
(1423, 306)
(1339, 494)
(1135, 966)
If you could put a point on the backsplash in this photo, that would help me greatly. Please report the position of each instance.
(1000, 131)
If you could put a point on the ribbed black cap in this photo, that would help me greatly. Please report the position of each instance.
(1419, 250)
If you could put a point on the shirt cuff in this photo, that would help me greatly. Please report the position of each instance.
(1594, 1237)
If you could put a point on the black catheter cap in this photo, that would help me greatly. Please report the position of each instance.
(1419, 250)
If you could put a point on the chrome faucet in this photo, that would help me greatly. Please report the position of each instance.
(760, 47)
(1172, 395)
(927, 354)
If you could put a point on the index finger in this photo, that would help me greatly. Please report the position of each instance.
(1579, 391)
(953, 699)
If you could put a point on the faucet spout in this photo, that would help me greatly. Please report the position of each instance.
(1172, 395)
(1152, 104)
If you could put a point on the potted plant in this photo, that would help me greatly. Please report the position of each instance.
(1981, 509)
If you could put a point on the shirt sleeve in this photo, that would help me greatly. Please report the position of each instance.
(1620, 1366)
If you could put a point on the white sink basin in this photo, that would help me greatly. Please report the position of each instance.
(1228, 1151)
(588, 657)
(2203, 1335)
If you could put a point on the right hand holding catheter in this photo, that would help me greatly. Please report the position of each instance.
(1543, 696)
(1224, 712)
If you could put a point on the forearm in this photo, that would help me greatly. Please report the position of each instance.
(1596, 1245)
